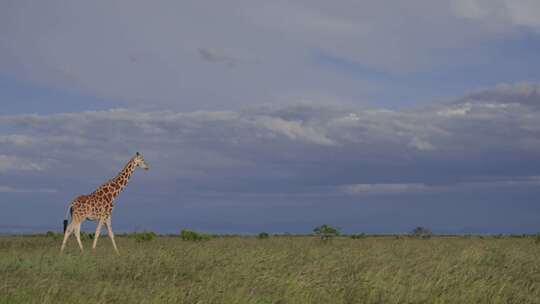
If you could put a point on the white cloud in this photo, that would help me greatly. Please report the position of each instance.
(8, 189)
(15, 139)
(295, 130)
(302, 141)
(14, 163)
(373, 131)
(418, 188)
(302, 19)
(515, 13)
(470, 9)
(158, 61)
(421, 145)
(523, 93)
(461, 110)
(392, 188)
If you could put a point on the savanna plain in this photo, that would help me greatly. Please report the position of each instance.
(284, 269)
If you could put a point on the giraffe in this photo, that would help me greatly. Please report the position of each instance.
(98, 205)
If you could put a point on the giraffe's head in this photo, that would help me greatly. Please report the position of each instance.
(139, 161)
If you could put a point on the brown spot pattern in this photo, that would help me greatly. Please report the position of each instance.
(99, 205)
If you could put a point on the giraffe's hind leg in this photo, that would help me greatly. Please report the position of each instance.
(77, 230)
(111, 234)
(98, 231)
(68, 232)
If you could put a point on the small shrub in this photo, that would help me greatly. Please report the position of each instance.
(190, 235)
(144, 236)
(263, 235)
(358, 236)
(87, 235)
(537, 238)
(421, 232)
(54, 235)
(326, 232)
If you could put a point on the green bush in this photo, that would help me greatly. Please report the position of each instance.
(358, 236)
(54, 235)
(263, 235)
(87, 235)
(326, 232)
(57, 235)
(143, 236)
(190, 235)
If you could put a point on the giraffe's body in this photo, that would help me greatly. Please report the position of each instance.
(91, 208)
(98, 205)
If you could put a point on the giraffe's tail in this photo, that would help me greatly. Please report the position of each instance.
(68, 212)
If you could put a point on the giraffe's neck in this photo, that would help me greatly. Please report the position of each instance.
(123, 177)
(118, 183)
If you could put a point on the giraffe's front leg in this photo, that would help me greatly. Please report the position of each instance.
(98, 231)
(111, 234)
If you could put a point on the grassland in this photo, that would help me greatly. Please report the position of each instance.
(274, 270)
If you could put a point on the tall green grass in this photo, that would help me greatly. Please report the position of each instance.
(274, 270)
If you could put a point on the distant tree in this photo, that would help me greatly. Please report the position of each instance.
(358, 236)
(190, 235)
(421, 232)
(263, 235)
(143, 236)
(326, 232)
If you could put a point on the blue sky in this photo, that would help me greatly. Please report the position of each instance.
(373, 116)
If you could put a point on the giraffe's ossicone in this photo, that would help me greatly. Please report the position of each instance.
(98, 205)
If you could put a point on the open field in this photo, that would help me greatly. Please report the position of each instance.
(274, 270)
